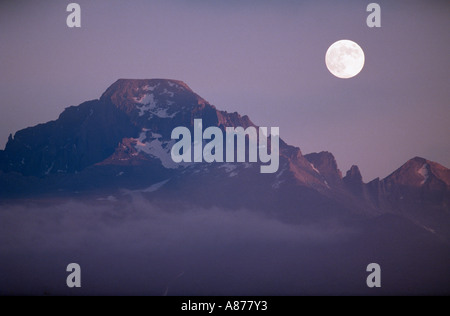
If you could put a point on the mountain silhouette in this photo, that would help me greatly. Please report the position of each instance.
(122, 141)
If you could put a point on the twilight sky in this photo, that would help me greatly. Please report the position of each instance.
(262, 58)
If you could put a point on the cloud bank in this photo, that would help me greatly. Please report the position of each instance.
(136, 248)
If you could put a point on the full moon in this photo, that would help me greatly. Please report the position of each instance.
(345, 59)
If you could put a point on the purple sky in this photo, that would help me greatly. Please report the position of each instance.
(262, 58)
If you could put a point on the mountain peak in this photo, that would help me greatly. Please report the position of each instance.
(417, 159)
(419, 171)
(144, 99)
(325, 163)
(353, 180)
(354, 174)
(143, 83)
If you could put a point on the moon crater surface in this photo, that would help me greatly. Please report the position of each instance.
(345, 59)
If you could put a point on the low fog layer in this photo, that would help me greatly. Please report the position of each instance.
(136, 248)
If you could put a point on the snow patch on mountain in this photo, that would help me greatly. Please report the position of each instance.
(229, 168)
(314, 168)
(173, 84)
(169, 93)
(424, 173)
(280, 173)
(279, 181)
(155, 187)
(156, 148)
(150, 88)
(429, 229)
(156, 135)
(146, 104)
(277, 184)
(162, 113)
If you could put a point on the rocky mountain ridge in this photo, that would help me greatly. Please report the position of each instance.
(123, 141)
